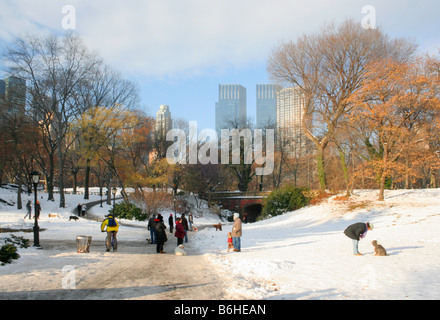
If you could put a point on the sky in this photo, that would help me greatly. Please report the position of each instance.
(179, 51)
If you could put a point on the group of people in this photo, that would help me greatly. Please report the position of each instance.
(29, 209)
(157, 229)
(81, 209)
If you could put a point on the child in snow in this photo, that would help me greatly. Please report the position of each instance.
(230, 245)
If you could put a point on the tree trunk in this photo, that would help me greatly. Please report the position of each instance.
(50, 178)
(87, 180)
(344, 170)
(320, 167)
(61, 175)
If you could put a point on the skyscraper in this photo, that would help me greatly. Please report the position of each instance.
(13, 95)
(163, 121)
(267, 104)
(290, 108)
(231, 105)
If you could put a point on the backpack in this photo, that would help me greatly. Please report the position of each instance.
(111, 222)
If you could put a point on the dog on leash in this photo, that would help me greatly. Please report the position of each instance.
(218, 227)
(179, 251)
(73, 218)
(378, 249)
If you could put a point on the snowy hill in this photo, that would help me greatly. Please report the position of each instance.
(305, 255)
(299, 255)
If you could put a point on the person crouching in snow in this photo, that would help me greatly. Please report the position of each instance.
(356, 232)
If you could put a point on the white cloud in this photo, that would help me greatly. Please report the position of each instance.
(181, 37)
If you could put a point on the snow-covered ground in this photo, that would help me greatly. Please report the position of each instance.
(299, 255)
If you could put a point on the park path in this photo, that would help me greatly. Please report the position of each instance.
(136, 271)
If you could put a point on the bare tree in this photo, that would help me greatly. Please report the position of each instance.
(53, 67)
(329, 67)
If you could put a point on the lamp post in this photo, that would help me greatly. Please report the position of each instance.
(35, 179)
(114, 195)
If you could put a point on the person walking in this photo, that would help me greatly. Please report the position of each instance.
(78, 208)
(152, 228)
(161, 236)
(171, 222)
(236, 233)
(112, 230)
(180, 232)
(190, 221)
(185, 226)
(83, 210)
(356, 232)
(28, 210)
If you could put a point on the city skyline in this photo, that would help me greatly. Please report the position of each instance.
(178, 52)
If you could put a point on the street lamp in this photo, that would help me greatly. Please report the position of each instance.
(114, 195)
(35, 179)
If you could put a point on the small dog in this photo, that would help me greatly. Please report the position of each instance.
(179, 250)
(230, 245)
(73, 218)
(378, 249)
(218, 227)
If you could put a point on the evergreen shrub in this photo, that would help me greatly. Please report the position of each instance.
(284, 199)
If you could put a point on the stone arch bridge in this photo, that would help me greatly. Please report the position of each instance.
(248, 204)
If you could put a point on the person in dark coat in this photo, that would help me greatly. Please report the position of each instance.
(152, 228)
(171, 222)
(356, 232)
(185, 226)
(161, 236)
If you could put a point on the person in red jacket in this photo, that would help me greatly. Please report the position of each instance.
(180, 232)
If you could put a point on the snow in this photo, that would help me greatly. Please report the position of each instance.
(299, 255)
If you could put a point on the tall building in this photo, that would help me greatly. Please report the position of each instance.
(267, 104)
(13, 95)
(231, 105)
(163, 121)
(290, 107)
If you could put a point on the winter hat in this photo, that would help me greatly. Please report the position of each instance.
(370, 225)
(236, 215)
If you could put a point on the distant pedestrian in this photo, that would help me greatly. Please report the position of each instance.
(83, 210)
(38, 210)
(180, 232)
(190, 221)
(161, 235)
(28, 209)
(171, 222)
(236, 233)
(78, 208)
(185, 227)
(356, 232)
(152, 228)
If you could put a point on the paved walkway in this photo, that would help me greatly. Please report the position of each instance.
(135, 272)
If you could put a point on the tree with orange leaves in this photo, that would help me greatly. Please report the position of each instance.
(391, 111)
